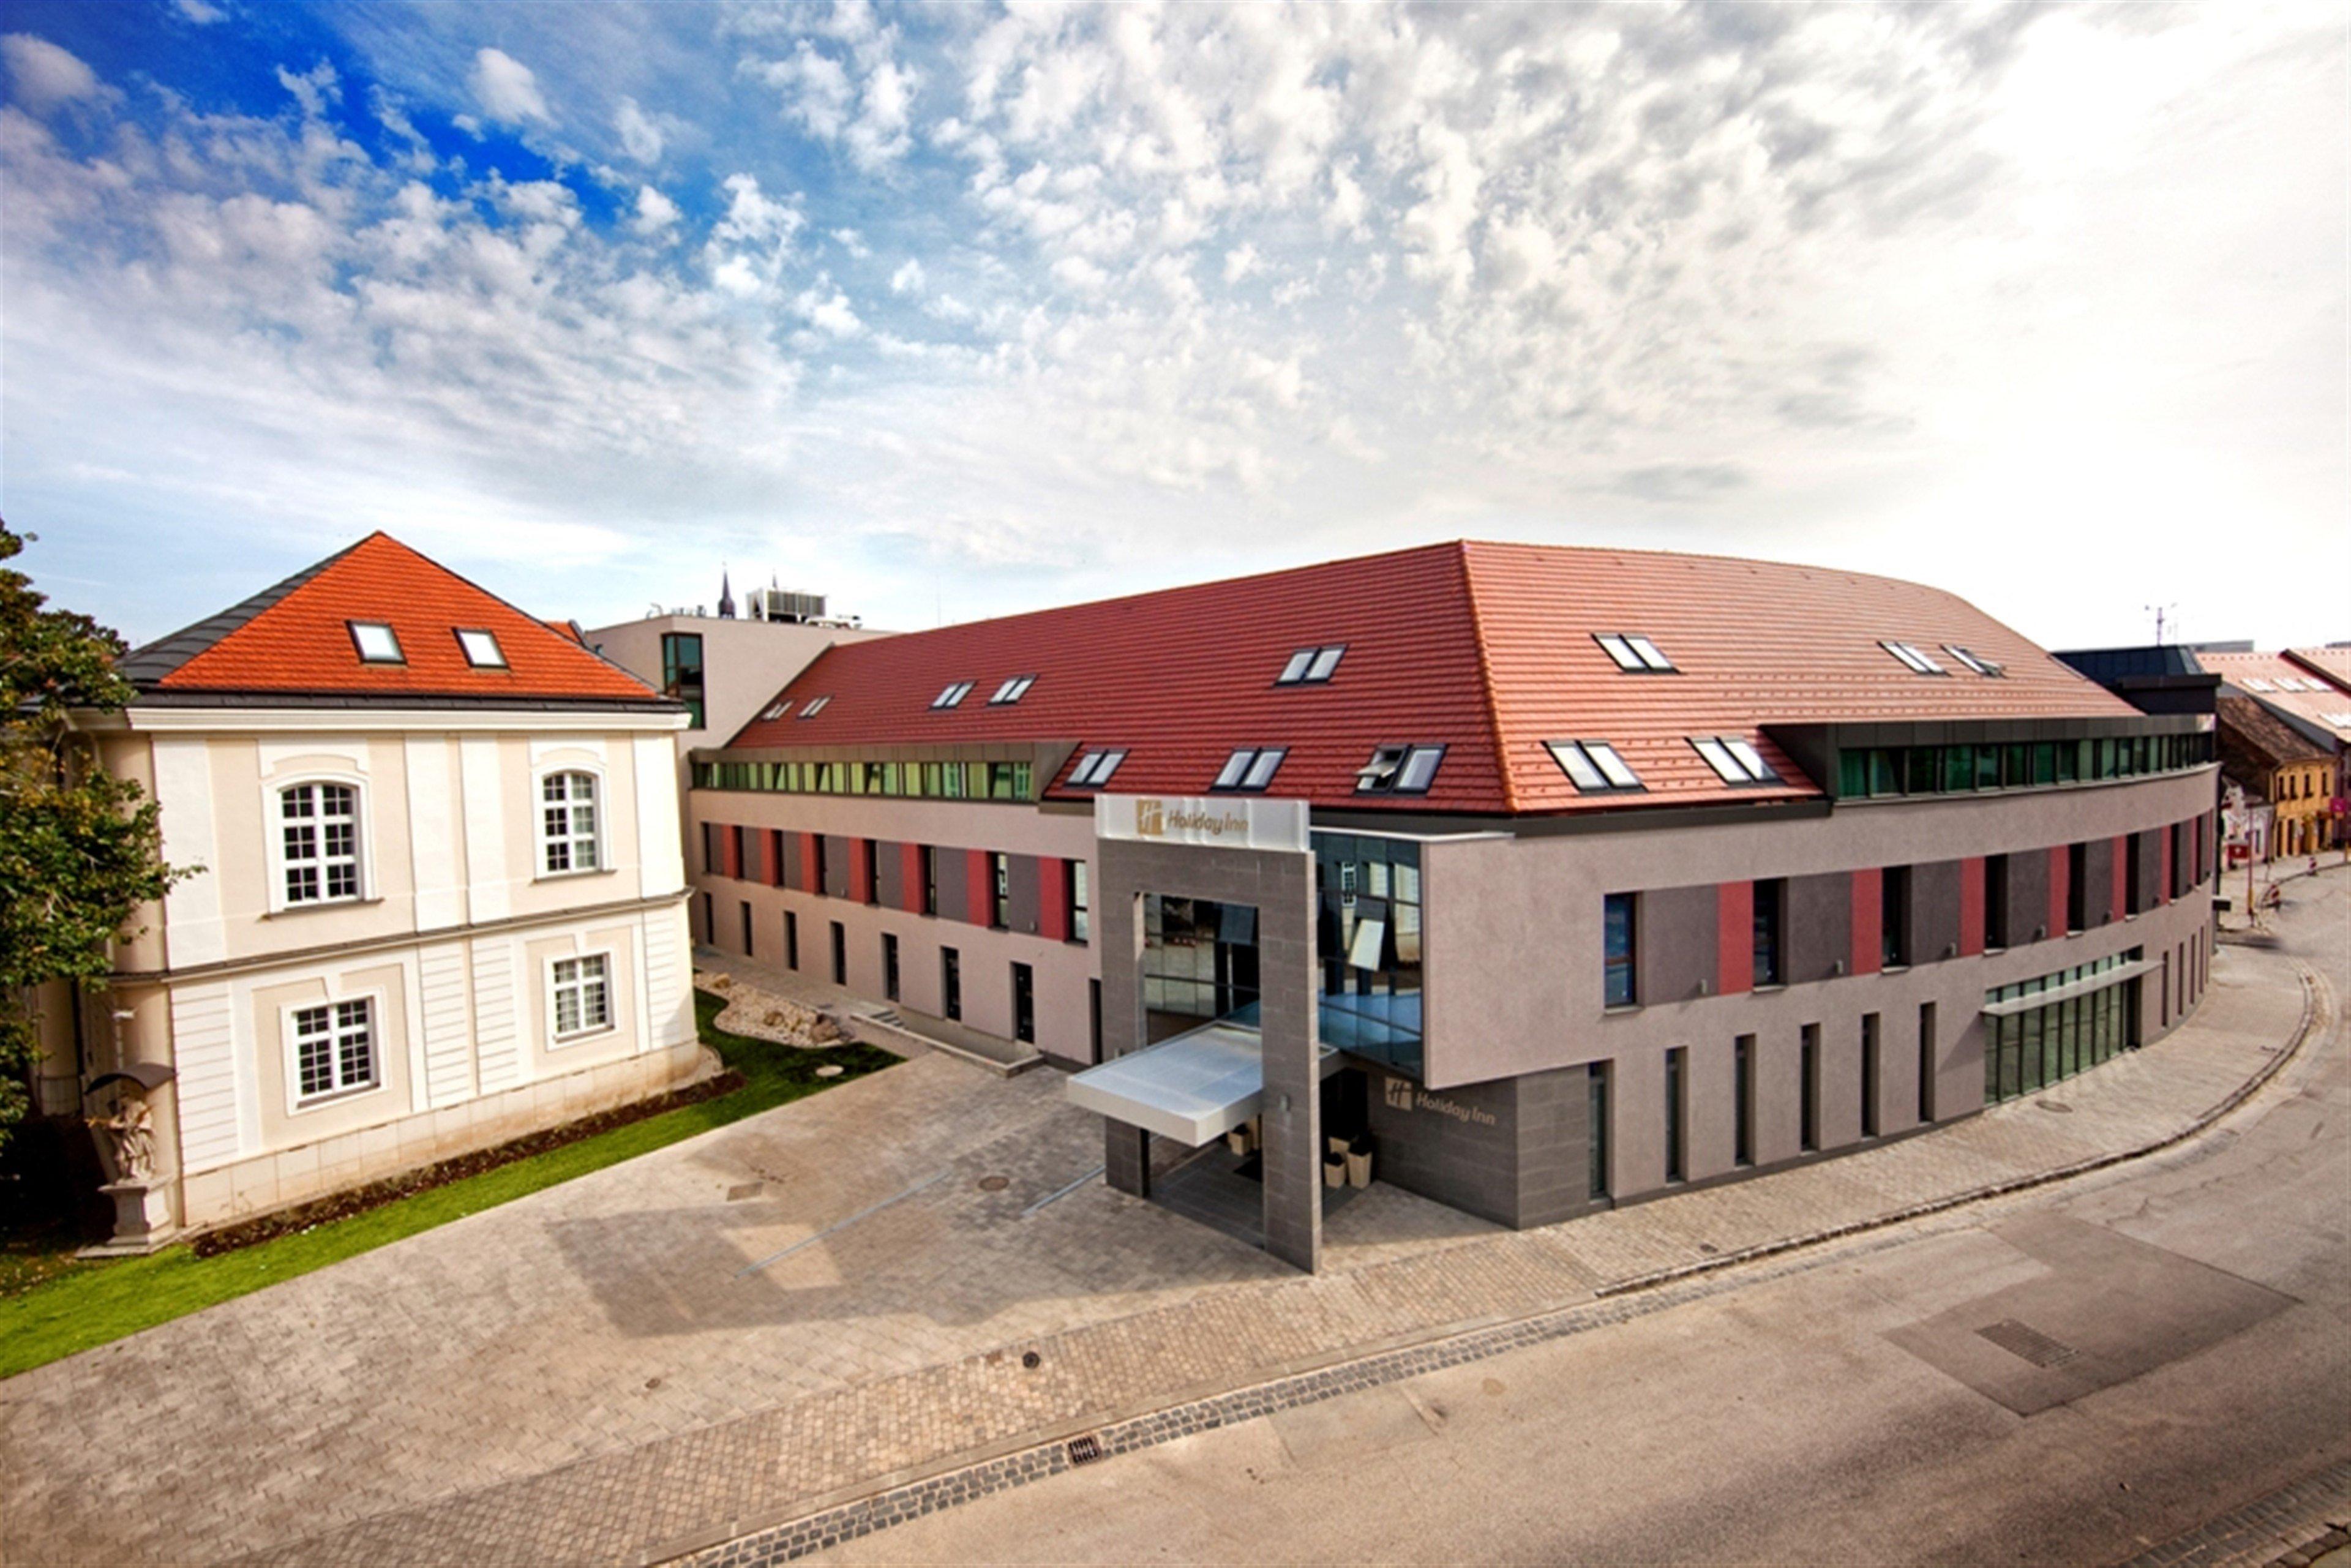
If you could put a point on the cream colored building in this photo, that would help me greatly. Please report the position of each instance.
(440, 901)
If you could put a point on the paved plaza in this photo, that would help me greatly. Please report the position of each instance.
(839, 1295)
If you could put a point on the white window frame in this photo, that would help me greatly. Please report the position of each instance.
(1735, 761)
(289, 1039)
(1249, 770)
(399, 656)
(1914, 658)
(545, 842)
(1094, 768)
(1975, 660)
(1600, 760)
(815, 707)
(1312, 666)
(1634, 654)
(273, 797)
(556, 1034)
(497, 653)
(953, 695)
(1012, 691)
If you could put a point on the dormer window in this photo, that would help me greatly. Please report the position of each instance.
(1311, 666)
(1734, 760)
(482, 650)
(1399, 771)
(1094, 768)
(1976, 662)
(1251, 768)
(377, 643)
(1914, 658)
(952, 695)
(1012, 691)
(815, 707)
(1635, 653)
(1593, 766)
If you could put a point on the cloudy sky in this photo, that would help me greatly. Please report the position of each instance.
(950, 310)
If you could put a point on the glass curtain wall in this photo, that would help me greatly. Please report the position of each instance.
(2026, 1052)
(1368, 939)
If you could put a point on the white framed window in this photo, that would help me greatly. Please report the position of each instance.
(1916, 659)
(482, 650)
(1399, 771)
(1593, 766)
(318, 843)
(377, 643)
(1631, 651)
(1734, 760)
(955, 693)
(1251, 768)
(1013, 690)
(1311, 666)
(581, 998)
(334, 1049)
(570, 824)
(1094, 768)
(815, 707)
(1975, 660)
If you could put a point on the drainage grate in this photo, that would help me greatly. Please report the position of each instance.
(994, 1183)
(1084, 1450)
(2031, 1344)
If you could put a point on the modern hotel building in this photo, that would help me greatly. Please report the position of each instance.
(1569, 877)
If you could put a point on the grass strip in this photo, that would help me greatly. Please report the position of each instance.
(91, 1302)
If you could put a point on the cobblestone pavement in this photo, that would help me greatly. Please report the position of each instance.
(2291, 1527)
(603, 1372)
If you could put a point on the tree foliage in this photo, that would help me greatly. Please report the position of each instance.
(78, 847)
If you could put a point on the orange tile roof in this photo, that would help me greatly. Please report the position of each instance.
(2323, 707)
(1485, 648)
(2333, 661)
(296, 639)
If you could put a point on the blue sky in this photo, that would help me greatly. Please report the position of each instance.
(953, 310)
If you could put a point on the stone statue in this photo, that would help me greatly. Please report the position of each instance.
(131, 1129)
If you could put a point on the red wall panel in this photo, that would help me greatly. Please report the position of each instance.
(809, 881)
(1868, 917)
(910, 880)
(979, 888)
(730, 851)
(1971, 905)
(861, 869)
(2060, 887)
(1735, 937)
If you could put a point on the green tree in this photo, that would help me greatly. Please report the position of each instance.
(79, 847)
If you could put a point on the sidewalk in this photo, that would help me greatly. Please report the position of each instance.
(888, 1025)
(608, 1372)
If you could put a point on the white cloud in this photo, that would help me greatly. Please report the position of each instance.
(42, 77)
(640, 136)
(908, 279)
(826, 309)
(1242, 261)
(200, 12)
(655, 212)
(506, 88)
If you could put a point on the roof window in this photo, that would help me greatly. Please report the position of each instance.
(1974, 661)
(1012, 691)
(775, 711)
(1094, 768)
(952, 695)
(1635, 652)
(2255, 684)
(482, 650)
(1250, 769)
(1734, 760)
(1399, 771)
(1921, 663)
(1311, 666)
(1593, 766)
(815, 707)
(376, 642)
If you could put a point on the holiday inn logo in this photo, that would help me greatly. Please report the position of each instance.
(1150, 819)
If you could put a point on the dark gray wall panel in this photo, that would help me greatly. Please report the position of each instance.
(1020, 893)
(1456, 1147)
(1675, 946)
(2028, 896)
(1934, 911)
(949, 866)
(1817, 934)
(2098, 884)
(890, 874)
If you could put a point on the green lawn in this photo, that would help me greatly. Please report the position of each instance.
(54, 1307)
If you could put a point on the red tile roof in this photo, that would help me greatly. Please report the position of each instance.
(296, 639)
(1485, 648)
(2323, 707)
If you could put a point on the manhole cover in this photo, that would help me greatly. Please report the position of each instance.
(2029, 1343)
(742, 1190)
(829, 1070)
(1031, 1360)
(1084, 1450)
(994, 1183)
(2057, 1106)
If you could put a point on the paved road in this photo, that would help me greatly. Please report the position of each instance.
(2196, 1308)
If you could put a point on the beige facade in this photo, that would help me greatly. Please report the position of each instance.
(413, 1014)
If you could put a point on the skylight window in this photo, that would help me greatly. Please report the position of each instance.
(775, 711)
(1734, 760)
(1012, 691)
(1094, 768)
(377, 643)
(2339, 720)
(1399, 771)
(1974, 661)
(1909, 654)
(1311, 666)
(2255, 684)
(1250, 769)
(482, 650)
(1633, 651)
(952, 695)
(815, 707)
(1593, 766)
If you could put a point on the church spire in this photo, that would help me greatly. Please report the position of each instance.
(725, 597)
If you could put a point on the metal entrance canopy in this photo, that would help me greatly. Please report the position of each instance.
(1193, 1088)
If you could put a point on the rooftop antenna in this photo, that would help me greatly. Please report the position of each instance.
(2162, 612)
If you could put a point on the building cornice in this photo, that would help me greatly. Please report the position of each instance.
(374, 718)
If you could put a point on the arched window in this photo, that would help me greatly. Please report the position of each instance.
(320, 824)
(570, 833)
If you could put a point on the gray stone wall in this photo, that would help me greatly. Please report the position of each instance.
(1674, 947)
(1816, 932)
(1020, 893)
